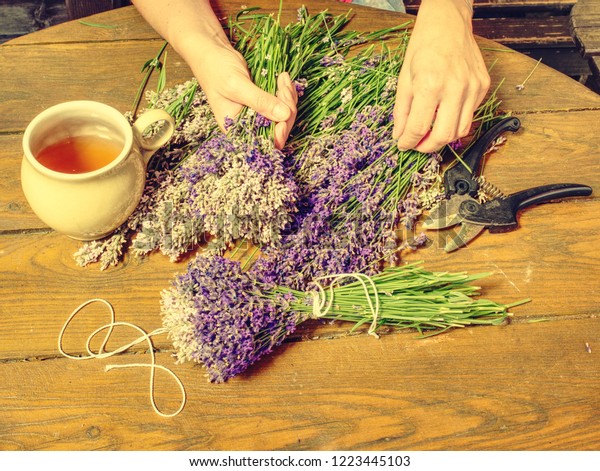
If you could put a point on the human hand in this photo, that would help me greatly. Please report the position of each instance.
(224, 77)
(195, 32)
(443, 79)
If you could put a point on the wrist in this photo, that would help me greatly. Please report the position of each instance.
(197, 44)
(463, 7)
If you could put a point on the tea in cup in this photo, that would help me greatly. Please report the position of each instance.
(84, 166)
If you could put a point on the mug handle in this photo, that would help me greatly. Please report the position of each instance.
(149, 145)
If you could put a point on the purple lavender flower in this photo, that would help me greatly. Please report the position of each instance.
(328, 61)
(328, 122)
(229, 123)
(300, 86)
(410, 210)
(457, 145)
(240, 186)
(261, 122)
(223, 318)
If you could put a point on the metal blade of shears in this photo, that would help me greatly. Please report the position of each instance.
(446, 213)
(466, 234)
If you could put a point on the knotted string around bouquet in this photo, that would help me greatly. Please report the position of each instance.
(101, 354)
(322, 304)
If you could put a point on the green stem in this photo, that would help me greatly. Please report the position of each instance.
(150, 66)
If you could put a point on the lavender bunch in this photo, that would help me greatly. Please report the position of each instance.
(162, 219)
(226, 319)
(370, 198)
(228, 188)
(240, 189)
(354, 198)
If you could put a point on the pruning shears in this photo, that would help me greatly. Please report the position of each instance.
(462, 184)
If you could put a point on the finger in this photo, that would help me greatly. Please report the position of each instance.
(444, 129)
(222, 109)
(418, 123)
(282, 132)
(402, 105)
(472, 101)
(287, 93)
(466, 117)
(260, 101)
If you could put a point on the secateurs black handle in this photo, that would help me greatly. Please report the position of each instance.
(460, 179)
(500, 214)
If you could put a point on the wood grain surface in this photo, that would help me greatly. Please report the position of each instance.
(532, 383)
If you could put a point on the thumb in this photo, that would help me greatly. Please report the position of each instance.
(268, 105)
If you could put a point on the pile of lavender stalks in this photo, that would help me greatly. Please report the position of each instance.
(340, 199)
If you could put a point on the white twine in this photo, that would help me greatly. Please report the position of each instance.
(320, 296)
(145, 337)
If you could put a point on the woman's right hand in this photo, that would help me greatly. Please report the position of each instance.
(223, 75)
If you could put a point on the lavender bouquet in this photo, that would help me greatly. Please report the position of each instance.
(227, 319)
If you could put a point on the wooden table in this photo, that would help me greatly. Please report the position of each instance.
(531, 384)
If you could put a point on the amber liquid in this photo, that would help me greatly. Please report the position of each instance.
(79, 154)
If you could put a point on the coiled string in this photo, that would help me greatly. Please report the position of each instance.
(145, 337)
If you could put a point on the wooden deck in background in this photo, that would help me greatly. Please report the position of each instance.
(19, 17)
(585, 24)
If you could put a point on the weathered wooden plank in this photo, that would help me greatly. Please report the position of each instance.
(537, 95)
(549, 148)
(115, 80)
(519, 387)
(526, 32)
(585, 8)
(585, 20)
(589, 40)
(585, 13)
(15, 213)
(501, 6)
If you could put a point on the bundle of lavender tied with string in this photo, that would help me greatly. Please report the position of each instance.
(326, 212)
(227, 319)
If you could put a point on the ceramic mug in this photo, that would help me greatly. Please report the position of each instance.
(92, 204)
